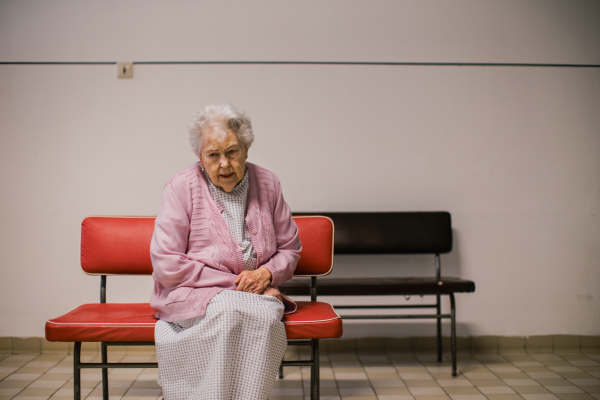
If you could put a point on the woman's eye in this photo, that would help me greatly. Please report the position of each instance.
(232, 152)
(212, 155)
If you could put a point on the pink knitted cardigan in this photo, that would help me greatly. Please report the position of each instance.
(195, 257)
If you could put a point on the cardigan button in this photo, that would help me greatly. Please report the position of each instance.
(254, 231)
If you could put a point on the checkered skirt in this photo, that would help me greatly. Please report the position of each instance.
(232, 352)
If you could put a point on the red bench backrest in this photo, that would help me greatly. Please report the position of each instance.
(121, 245)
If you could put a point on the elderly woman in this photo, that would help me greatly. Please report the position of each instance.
(224, 240)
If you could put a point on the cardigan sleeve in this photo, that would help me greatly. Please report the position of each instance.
(172, 267)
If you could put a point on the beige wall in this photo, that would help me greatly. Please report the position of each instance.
(512, 152)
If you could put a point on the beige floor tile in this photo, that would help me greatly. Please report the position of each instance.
(22, 377)
(288, 391)
(143, 392)
(461, 390)
(14, 384)
(426, 391)
(38, 391)
(456, 382)
(421, 383)
(375, 376)
(358, 398)
(467, 397)
(284, 383)
(564, 389)
(524, 364)
(8, 370)
(431, 397)
(350, 375)
(69, 392)
(353, 383)
(348, 369)
(380, 369)
(47, 384)
(328, 391)
(480, 375)
(446, 375)
(111, 392)
(496, 390)
(504, 397)
(544, 375)
(585, 382)
(530, 390)
(521, 382)
(410, 369)
(591, 389)
(28, 369)
(539, 396)
(503, 369)
(487, 382)
(388, 383)
(55, 377)
(574, 396)
(381, 391)
(553, 382)
(18, 397)
(415, 376)
(145, 384)
(535, 369)
(585, 363)
(512, 375)
(565, 368)
(356, 391)
(396, 397)
(9, 392)
(575, 375)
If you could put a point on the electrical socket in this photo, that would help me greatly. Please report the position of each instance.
(125, 70)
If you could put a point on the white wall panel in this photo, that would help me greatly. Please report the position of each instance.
(512, 153)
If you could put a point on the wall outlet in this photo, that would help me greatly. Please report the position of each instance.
(124, 70)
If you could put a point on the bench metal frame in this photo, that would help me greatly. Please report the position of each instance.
(438, 316)
(313, 363)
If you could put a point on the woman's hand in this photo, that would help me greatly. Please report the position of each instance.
(273, 292)
(253, 281)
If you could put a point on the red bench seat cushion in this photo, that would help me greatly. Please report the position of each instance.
(114, 322)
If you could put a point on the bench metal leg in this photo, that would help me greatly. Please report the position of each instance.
(314, 370)
(77, 371)
(453, 333)
(438, 307)
(281, 372)
(104, 351)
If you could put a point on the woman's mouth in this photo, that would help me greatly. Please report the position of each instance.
(226, 176)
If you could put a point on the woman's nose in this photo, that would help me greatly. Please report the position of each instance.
(224, 162)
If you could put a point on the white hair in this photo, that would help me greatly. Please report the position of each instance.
(220, 118)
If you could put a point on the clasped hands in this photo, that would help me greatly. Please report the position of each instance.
(258, 282)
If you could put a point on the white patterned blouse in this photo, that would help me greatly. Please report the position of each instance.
(234, 213)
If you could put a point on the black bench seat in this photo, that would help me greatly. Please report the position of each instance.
(358, 233)
(378, 286)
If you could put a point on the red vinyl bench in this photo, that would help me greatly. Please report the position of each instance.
(121, 246)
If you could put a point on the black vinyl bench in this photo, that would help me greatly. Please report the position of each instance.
(393, 233)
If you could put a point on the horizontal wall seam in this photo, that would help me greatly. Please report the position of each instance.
(433, 64)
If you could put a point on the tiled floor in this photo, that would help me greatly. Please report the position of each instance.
(344, 375)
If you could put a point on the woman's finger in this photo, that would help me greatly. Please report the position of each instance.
(242, 284)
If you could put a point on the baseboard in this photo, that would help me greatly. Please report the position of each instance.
(483, 344)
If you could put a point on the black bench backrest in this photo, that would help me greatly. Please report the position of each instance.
(391, 232)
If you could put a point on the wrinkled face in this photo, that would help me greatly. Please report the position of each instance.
(224, 159)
